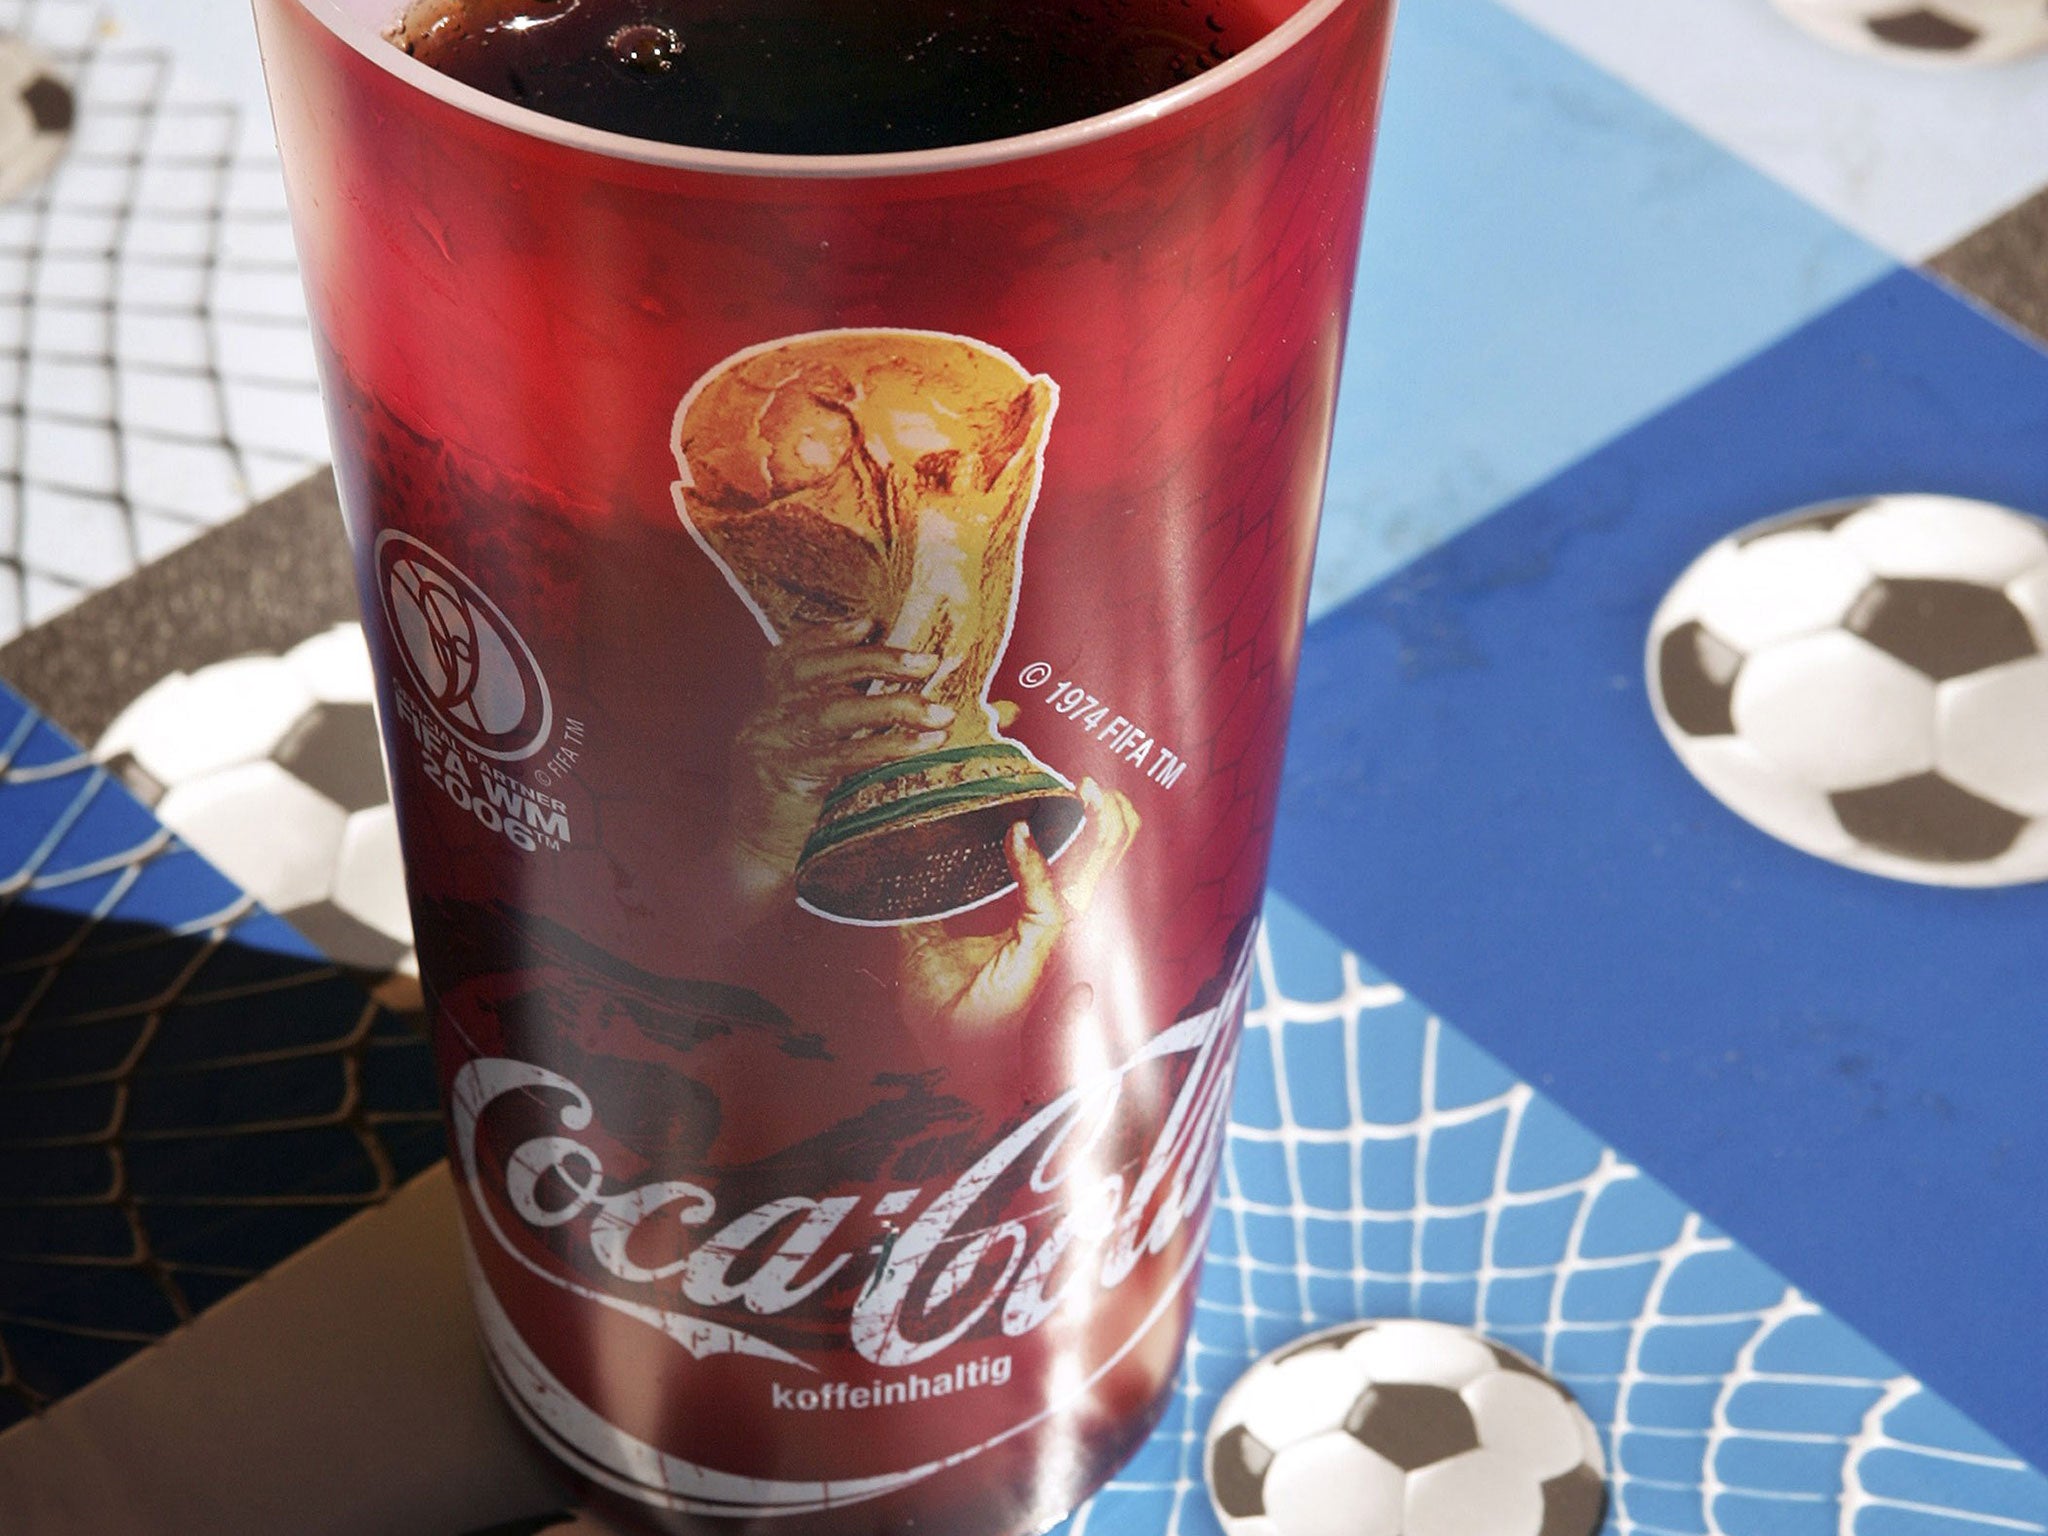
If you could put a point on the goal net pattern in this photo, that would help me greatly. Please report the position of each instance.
(157, 373)
(1382, 1165)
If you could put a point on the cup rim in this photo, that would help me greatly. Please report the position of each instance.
(367, 40)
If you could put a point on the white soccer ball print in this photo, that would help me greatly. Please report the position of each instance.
(1937, 33)
(37, 110)
(270, 767)
(1868, 681)
(1403, 1428)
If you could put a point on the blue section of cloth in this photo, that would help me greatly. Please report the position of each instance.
(1842, 1071)
(1549, 258)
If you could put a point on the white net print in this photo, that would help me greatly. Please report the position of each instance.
(189, 1093)
(157, 375)
(1381, 1165)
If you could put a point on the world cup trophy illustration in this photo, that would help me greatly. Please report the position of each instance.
(881, 482)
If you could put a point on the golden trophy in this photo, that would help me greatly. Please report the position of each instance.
(888, 476)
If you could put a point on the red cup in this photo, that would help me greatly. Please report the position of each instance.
(836, 620)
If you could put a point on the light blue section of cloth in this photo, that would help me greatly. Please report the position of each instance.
(1549, 259)
(1723, 1398)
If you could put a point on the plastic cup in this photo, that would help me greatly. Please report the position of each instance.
(836, 621)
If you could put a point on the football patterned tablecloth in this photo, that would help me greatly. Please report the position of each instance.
(1742, 1146)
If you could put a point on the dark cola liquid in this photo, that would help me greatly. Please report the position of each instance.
(825, 76)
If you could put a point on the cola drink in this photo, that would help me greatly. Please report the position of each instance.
(819, 77)
(835, 619)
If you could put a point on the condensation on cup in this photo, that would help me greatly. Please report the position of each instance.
(836, 621)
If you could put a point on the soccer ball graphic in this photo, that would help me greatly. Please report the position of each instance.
(270, 767)
(36, 113)
(1939, 32)
(1403, 1428)
(1867, 681)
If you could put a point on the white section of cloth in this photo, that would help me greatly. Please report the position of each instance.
(215, 41)
(166, 381)
(1911, 159)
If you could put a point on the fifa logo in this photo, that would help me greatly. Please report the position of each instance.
(461, 652)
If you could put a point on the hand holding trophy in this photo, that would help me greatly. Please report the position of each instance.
(866, 494)
(834, 704)
(976, 981)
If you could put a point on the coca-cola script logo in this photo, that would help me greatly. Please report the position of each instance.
(461, 652)
(1080, 1225)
